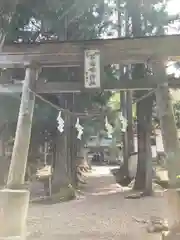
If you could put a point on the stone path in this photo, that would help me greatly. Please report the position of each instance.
(101, 213)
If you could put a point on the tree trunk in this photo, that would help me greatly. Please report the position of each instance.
(8, 8)
(82, 156)
(61, 184)
(134, 10)
(69, 149)
(73, 152)
(143, 179)
(71, 140)
(123, 102)
(141, 167)
(130, 132)
(60, 174)
(125, 135)
(148, 160)
(138, 71)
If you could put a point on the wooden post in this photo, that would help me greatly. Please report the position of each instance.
(171, 146)
(23, 131)
(14, 201)
(168, 127)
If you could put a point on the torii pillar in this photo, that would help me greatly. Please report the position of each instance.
(14, 200)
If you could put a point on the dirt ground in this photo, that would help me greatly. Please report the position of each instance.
(101, 212)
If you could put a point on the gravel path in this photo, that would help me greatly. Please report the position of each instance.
(101, 213)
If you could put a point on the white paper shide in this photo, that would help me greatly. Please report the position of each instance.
(60, 123)
(79, 129)
(109, 128)
(92, 69)
(124, 122)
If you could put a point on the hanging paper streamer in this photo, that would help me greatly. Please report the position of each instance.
(79, 129)
(109, 128)
(60, 123)
(124, 122)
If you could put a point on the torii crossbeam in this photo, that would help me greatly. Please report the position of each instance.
(113, 51)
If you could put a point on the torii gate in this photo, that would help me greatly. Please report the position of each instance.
(71, 54)
(147, 50)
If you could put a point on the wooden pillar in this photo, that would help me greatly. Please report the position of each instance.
(168, 127)
(23, 131)
(14, 201)
(171, 147)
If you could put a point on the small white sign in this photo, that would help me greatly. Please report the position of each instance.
(92, 69)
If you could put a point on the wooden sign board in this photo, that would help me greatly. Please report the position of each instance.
(44, 172)
(92, 69)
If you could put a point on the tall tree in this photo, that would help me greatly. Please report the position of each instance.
(146, 20)
(7, 10)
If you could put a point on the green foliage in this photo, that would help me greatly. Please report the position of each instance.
(114, 103)
(9, 106)
(38, 20)
(7, 9)
(176, 107)
(65, 19)
(175, 97)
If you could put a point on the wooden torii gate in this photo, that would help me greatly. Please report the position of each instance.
(123, 51)
(33, 57)
(71, 54)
